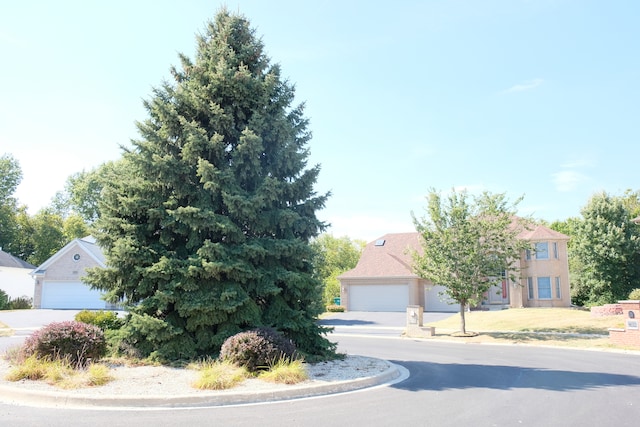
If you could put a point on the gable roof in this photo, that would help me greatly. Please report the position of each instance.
(540, 232)
(87, 244)
(8, 260)
(391, 258)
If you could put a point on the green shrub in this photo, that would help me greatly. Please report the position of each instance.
(331, 287)
(103, 319)
(21, 303)
(76, 341)
(635, 294)
(335, 308)
(4, 300)
(257, 349)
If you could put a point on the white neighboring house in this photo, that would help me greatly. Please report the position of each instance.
(59, 282)
(15, 277)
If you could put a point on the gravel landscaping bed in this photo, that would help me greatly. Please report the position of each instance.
(166, 381)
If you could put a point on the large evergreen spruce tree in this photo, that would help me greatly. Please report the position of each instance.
(208, 231)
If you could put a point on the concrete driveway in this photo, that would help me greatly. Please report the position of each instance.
(375, 323)
(34, 319)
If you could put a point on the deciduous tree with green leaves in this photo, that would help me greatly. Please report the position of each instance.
(11, 174)
(468, 244)
(82, 190)
(606, 247)
(335, 256)
(208, 232)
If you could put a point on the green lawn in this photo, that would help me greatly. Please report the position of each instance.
(544, 326)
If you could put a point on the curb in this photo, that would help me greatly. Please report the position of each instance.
(16, 396)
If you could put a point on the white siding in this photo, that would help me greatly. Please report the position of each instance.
(16, 282)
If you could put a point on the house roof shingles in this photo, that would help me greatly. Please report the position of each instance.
(8, 260)
(541, 232)
(393, 258)
(90, 245)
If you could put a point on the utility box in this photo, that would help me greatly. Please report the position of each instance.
(414, 323)
(414, 315)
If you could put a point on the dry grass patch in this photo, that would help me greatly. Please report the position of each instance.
(563, 327)
(59, 373)
(5, 331)
(285, 372)
(217, 375)
(558, 320)
(32, 368)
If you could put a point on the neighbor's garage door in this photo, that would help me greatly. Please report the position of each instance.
(70, 295)
(434, 302)
(378, 297)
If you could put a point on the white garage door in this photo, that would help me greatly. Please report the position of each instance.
(378, 297)
(70, 295)
(434, 301)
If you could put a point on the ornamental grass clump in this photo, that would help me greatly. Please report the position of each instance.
(219, 375)
(257, 349)
(285, 371)
(32, 368)
(59, 372)
(76, 342)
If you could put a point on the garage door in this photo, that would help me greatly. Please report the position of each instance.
(434, 301)
(70, 295)
(378, 297)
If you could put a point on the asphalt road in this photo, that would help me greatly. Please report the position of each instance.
(449, 384)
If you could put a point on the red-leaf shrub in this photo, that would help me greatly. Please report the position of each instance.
(76, 341)
(257, 349)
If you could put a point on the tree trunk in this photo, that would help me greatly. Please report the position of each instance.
(463, 326)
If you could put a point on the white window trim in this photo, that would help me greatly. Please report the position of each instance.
(545, 252)
(538, 288)
(530, 289)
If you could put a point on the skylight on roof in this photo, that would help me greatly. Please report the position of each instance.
(380, 242)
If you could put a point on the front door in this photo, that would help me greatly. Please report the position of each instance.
(499, 294)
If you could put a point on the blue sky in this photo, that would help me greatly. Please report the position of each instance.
(529, 98)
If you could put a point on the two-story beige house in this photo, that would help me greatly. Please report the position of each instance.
(383, 279)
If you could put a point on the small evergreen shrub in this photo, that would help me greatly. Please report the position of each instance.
(634, 294)
(257, 349)
(335, 308)
(21, 303)
(75, 341)
(103, 319)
